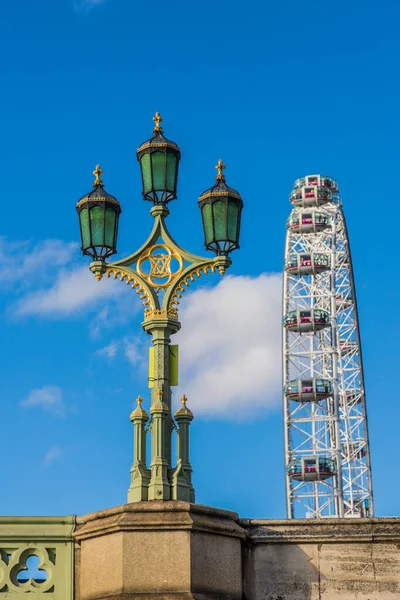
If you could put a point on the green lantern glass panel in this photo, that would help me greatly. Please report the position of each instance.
(171, 171)
(97, 225)
(146, 172)
(85, 229)
(207, 223)
(109, 234)
(158, 167)
(220, 209)
(233, 212)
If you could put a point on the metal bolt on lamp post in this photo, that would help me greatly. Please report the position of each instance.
(160, 271)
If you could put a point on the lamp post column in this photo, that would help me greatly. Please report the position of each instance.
(140, 474)
(162, 423)
(182, 488)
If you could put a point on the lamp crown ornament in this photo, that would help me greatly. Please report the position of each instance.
(97, 173)
(220, 168)
(157, 120)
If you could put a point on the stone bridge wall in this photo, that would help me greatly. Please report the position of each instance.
(327, 559)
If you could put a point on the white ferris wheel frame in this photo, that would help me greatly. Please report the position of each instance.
(335, 427)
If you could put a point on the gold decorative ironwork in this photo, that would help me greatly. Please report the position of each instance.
(211, 194)
(153, 144)
(129, 280)
(97, 173)
(220, 167)
(157, 120)
(86, 199)
(160, 313)
(160, 265)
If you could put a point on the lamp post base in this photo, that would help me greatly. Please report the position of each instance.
(152, 550)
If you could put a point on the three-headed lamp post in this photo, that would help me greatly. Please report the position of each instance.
(160, 272)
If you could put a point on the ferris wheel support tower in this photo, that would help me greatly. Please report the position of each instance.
(327, 456)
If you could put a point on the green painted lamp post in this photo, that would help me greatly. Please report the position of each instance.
(160, 271)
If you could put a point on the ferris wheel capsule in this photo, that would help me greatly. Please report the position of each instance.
(344, 302)
(311, 468)
(307, 263)
(308, 390)
(318, 180)
(314, 195)
(347, 346)
(306, 320)
(355, 449)
(306, 221)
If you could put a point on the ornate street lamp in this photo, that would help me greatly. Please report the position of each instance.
(98, 218)
(221, 209)
(160, 271)
(159, 161)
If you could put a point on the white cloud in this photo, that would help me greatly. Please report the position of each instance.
(49, 398)
(21, 261)
(72, 291)
(230, 347)
(135, 351)
(51, 455)
(99, 322)
(109, 351)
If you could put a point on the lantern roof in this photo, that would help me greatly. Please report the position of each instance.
(184, 411)
(158, 139)
(220, 188)
(98, 193)
(139, 412)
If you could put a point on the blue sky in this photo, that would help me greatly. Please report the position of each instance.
(278, 90)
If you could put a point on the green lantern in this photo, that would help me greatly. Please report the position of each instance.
(221, 209)
(98, 214)
(159, 161)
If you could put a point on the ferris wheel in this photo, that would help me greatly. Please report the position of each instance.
(327, 456)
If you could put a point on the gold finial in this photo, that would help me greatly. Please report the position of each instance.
(184, 400)
(220, 167)
(157, 120)
(97, 172)
(139, 401)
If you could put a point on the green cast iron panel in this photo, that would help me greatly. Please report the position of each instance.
(37, 558)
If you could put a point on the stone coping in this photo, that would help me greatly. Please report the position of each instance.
(157, 515)
(164, 506)
(317, 522)
(263, 531)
